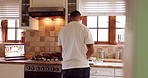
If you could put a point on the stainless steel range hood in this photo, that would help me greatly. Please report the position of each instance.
(46, 11)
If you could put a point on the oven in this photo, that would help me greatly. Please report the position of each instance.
(42, 71)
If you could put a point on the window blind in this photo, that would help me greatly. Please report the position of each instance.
(9, 8)
(102, 7)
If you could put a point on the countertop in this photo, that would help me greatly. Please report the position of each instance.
(3, 61)
(110, 63)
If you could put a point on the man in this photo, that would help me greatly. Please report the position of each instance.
(76, 44)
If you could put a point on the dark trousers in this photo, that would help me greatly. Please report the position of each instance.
(76, 73)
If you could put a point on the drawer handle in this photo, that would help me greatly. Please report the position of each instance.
(97, 71)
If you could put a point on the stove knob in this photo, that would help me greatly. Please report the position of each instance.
(47, 68)
(52, 69)
(38, 68)
(32, 68)
(28, 68)
(57, 69)
(42, 68)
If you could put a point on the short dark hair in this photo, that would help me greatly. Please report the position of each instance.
(74, 14)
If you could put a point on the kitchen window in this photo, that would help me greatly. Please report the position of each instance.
(10, 30)
(106, 29)
(13, 29)
(9, 19)
(105, 19)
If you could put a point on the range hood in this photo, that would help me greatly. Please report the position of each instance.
(46, 11)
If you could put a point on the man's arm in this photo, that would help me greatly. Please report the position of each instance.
(60, 48)
(90, 51)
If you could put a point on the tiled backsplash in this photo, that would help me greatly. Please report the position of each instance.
(52, 47)
(46, 40)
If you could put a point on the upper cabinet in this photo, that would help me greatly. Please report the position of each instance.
(71, 5)
(25, 21)
(47, 3)
(24, 14)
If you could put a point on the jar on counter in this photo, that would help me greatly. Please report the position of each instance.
(117, 55)
(102, 54)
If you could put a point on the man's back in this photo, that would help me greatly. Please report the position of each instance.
(73, 40)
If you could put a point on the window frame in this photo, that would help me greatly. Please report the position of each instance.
(111, 30)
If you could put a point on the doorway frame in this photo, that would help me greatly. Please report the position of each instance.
(129, 39)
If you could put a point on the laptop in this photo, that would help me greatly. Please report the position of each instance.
(14, 52)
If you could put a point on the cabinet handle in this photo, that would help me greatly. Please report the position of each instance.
(111, 71)
(97, 71)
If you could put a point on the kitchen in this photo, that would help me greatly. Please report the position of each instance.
(38, 39)
(41, 37)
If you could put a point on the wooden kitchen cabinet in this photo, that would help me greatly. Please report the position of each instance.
(11, 71)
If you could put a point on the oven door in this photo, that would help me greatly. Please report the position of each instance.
(33, 74)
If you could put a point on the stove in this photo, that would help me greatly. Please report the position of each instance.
(43, 71)
(43, 68)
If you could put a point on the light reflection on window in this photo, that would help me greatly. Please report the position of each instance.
(92, 21)
(11, 23)
(120, 21)
(103, 22)
(102, 34)
(11, 34)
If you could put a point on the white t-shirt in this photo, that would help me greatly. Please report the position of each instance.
(73, 38)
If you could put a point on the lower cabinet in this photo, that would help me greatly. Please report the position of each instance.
(11, 71)
(97, 72)
(119, 73)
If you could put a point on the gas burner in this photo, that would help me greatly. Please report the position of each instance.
(53, 57)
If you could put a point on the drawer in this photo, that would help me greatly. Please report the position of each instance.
(119, 72)
(101, 71)
(100, 77)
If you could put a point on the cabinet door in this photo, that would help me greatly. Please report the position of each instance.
(95, 71)
(100, 77)
(11, 71)
(119, 72)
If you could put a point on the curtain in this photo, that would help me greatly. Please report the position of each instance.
(9, 9)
